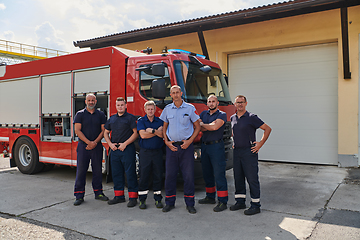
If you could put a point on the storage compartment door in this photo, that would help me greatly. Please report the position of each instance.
(91, 81)
(56, 94)
(19, 101)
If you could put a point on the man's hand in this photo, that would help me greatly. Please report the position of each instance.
(113, 147)
(186, 144)
(160, 128)
(171, 146)
(258, 145)
(91, 145)
(122, 146)
(256, 148)
(149, 130)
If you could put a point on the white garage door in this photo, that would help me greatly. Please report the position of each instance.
(295, 91)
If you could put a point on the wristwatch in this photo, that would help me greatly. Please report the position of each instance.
(153, 131)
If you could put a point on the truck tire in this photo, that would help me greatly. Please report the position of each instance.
(27, 156)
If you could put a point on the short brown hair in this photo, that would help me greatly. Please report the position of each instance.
(120, 99)
(241, 96)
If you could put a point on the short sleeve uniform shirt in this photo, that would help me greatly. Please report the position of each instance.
(90, 123)
(154, 142)
(207, 118)
(180, 121)
(121, 127)
(244, 129)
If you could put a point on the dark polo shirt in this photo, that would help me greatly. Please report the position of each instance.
(207, 118)
(90, 123)
(153, 142)
(121, 127)
(244, 129)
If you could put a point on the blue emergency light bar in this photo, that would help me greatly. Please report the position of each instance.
(180, 51)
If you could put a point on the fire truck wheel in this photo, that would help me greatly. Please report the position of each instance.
(27, 156)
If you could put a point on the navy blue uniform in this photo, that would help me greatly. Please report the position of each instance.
(150, 159)
(91, 128)
(180, 128)
(121, 128)
(246, 162)
(213, 158)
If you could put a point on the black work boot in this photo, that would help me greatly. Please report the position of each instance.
(207, 200)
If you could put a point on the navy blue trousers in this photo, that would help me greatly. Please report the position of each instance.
(246, 166)
(213, 162)
(123, 162)
(182, 159)
(150, 163)
(83, 160)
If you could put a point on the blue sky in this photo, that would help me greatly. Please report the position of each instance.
(56, 24)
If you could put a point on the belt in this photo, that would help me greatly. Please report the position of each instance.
(212, 142)
(179, 142)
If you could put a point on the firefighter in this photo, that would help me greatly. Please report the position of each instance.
(213, 159)
(246, 148)
(89, 127)
(151, 154)
(179, 133)
(122, 126)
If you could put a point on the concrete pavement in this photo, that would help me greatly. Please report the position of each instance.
(298, 202)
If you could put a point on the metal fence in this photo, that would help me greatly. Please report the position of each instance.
(25, 49)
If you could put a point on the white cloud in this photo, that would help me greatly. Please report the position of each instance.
(48, 37)
(9, 35)
(56, 24)
(140, 23)
(87, 28)
(62, 8)
(188, 7)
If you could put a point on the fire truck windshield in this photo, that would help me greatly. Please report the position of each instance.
(197, 85)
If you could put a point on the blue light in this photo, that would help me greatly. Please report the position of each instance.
(180, 51)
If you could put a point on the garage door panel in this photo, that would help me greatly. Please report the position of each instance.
(292, 138)
(287, 89)
(261, 74)
(300, 121)
(315, 105)
(305, 55)
(295, 91)
(298, 155)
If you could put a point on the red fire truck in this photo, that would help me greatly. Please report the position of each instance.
(39, 99)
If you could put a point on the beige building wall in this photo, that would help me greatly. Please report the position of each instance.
(314, 28)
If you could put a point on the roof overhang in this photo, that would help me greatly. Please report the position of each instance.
(258, 14)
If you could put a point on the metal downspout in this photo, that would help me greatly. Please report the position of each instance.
(345, 42)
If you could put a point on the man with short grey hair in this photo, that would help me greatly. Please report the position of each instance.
(181, 126)
(244, 125)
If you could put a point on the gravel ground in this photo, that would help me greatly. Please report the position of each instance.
(13, 227)
(21, 228)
